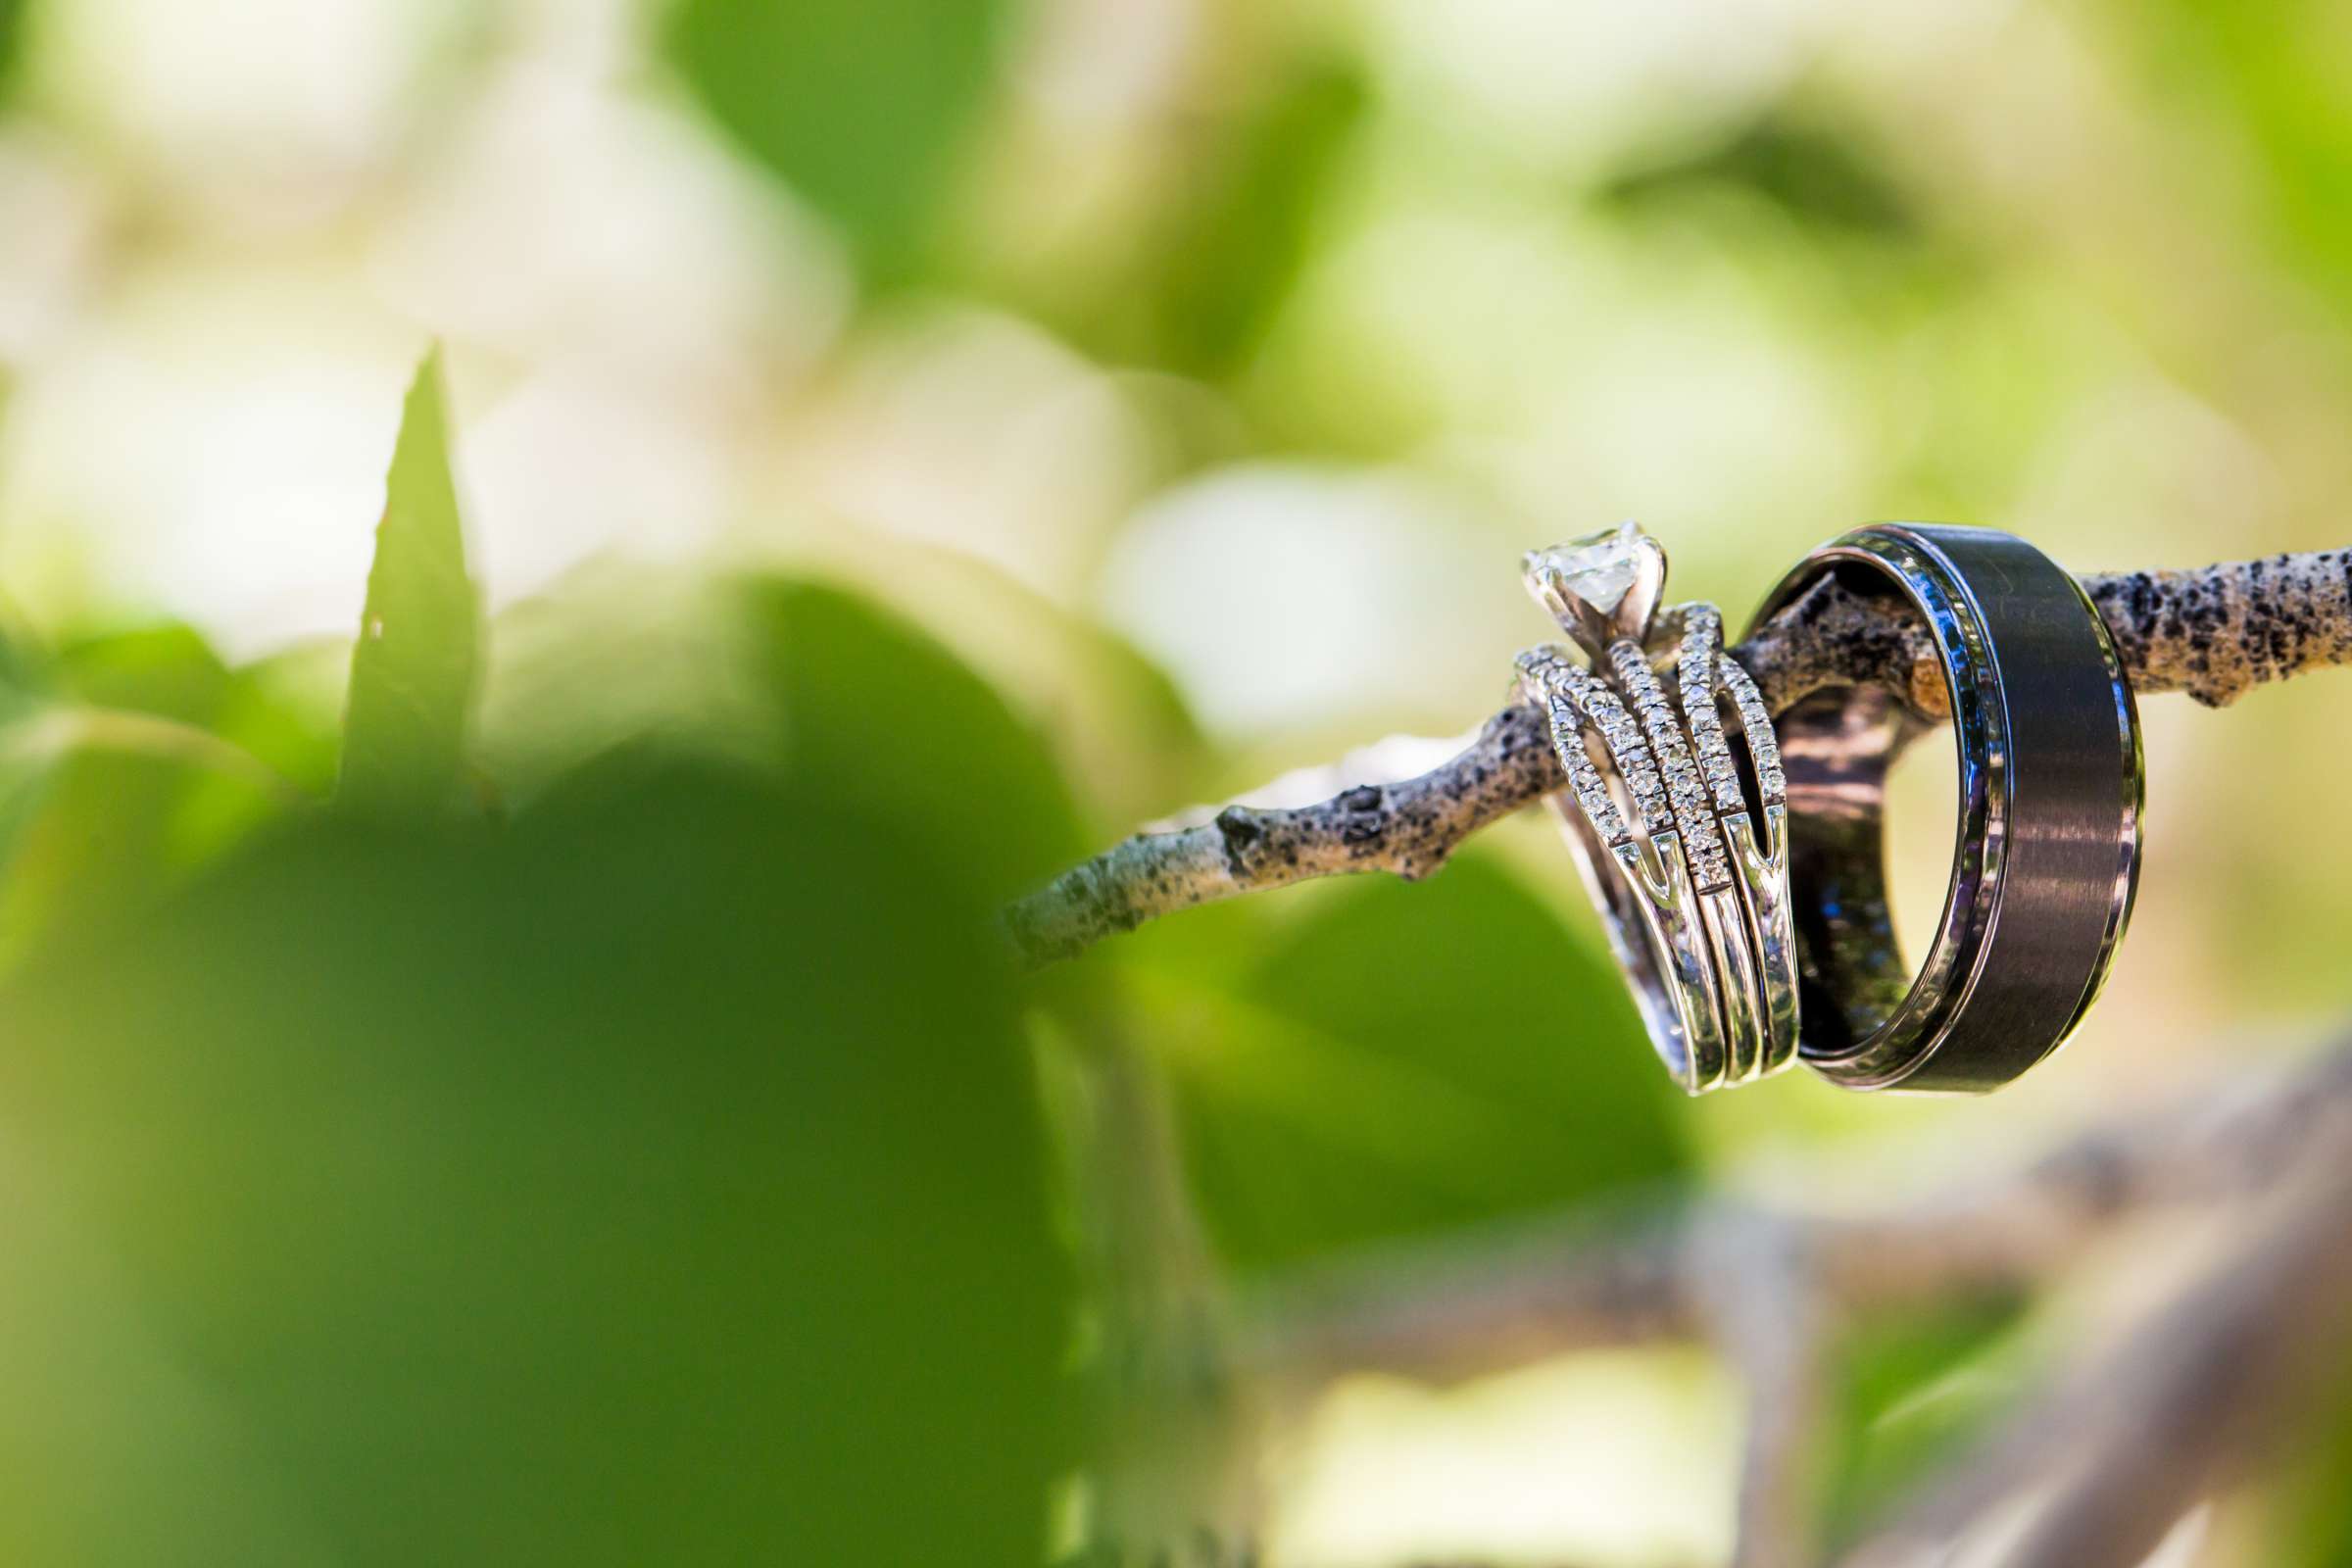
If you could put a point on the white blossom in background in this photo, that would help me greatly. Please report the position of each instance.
(1713, 418)
(53, 213)
(203, 431)
(1288, 597)
(1611, 1457)
(211, 444)
(571, 214)
(1579, 85)
(1578, 381)
(641, 298)
(1096, 65)
(266, 113)
(976, 432)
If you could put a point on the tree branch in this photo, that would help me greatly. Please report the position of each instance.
(2107, 1463)
(1767, 1288)
(1407, 828)
(1508, 1298)
(2213, 633)
(2218, 632)
(1767, 1318)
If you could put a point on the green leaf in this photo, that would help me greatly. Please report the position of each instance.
(1121, 728)
(1825, 178)
(782, 673)
(127, 762)
(413, 672)
(658, 1180)
(12, 38)
(283, 713)
(1908, 1394)
(1235, 256)
(859, 104)
(2274, 75)
(1392, 1069)
(867, 702)
(1212, 266)
(619, 654)
(167, 670)
(2311, 1484)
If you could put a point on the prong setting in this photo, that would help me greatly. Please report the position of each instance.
(1602, 588)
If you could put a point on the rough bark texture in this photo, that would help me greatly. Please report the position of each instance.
(1407, 829)
(2217, 632)
(2213, 633)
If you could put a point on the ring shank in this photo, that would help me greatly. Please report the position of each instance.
(1680, 1004)
(2046, 844)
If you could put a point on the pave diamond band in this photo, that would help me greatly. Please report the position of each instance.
(1657, 926)
(1757, 835)
(1693, 815)
(1689, 872)
(1550, 680)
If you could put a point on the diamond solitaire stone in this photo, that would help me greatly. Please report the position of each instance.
(1600, 568)
(1601, 588)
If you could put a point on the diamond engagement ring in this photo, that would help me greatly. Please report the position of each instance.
(2047, 849)
(1685, 857)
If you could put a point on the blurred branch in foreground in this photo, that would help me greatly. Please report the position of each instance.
(2103, 1465)
(1506, 1300)
(2214, 633)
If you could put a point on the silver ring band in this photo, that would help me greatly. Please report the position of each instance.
(1702, 931)
(1739, 988)
(2047, 850)
(1758, 864)
(1657, 925)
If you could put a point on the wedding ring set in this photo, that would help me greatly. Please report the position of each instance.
(1738, 865)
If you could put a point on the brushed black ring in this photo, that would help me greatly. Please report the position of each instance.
(2046, 850)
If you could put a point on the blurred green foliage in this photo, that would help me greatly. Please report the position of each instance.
(146, 758)
(1820, 177)
(868, 703)
(2313, 1522)
(861, 106)
(653, 1175)
(1232, 255)
(1910, 1392)
(12, 27)
(2279, 74)
(128, 761)
(1370, 1074)
(658, 1178)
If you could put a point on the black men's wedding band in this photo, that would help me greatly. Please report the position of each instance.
(2047, 848)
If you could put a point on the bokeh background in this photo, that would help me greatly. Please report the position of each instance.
(1022, 419)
